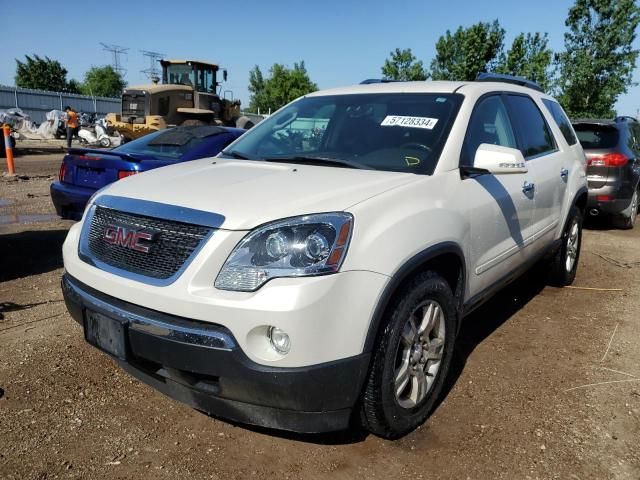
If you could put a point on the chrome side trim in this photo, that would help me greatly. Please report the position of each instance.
(170, 329)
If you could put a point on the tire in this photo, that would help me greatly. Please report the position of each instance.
(564, 263)
(105, 142)
(403, 355)
(192, 122)
(627, 218)
(244, 122)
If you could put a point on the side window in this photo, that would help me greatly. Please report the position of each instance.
(535, 136)
(635, 128)
(489, 124)
(561, 120)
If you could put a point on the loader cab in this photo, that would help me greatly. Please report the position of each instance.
(202, 77)
(199, 75)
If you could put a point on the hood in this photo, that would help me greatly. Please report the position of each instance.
(249, 193)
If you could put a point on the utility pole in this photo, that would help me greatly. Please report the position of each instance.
(116, 51)
(153, 72)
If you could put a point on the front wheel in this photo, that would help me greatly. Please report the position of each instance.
(564, 264)
(411, 359)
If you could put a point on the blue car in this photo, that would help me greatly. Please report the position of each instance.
(84, 171)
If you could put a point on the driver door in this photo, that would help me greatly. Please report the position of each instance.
(501, 208)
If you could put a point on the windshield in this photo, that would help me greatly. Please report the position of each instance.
(181, 73)
(397, 132)
(170, 143)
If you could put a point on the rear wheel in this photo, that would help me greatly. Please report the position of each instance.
(411, 358)
(564, 264)
(629, 215)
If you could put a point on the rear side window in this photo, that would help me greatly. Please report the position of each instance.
(594, 136)
(635, 129)
(534, 133)
(489, 124)
(561, 120)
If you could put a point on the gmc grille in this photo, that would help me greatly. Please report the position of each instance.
(172, 245)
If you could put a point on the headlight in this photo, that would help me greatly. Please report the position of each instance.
(295, 247)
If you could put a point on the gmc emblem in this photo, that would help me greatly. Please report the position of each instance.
(127, 238)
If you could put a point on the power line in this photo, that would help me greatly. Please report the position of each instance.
(116, 51)
(153, 72)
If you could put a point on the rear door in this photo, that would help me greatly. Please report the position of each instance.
(547, 164)
(635, 148)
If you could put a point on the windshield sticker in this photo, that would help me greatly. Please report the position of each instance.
(411, 122)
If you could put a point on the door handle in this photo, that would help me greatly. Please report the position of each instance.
(564, 173)
(528, 187)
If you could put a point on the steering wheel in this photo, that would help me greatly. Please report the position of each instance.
(417, 146)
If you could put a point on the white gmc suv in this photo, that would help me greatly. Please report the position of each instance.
(316, 272)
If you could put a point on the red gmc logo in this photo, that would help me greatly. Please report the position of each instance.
(127, 238)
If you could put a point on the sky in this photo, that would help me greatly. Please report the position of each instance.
(341, 42)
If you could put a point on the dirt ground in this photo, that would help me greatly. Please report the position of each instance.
(546, 383)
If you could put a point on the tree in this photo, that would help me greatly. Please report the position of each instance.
(41, 73)
(256, 87)
(282, 86)
(597, 64)
(103, 82)
(73, 86)
(529, 57)
(467, 52)
(403, 66)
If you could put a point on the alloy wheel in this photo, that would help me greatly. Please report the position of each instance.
(419, 354)
(572, 244)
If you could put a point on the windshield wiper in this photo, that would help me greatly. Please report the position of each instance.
(316, 161)
(236, 154)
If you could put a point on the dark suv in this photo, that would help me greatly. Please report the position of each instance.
(612, 148)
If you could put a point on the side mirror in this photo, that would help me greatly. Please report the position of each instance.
(224, 74)
(499, 160)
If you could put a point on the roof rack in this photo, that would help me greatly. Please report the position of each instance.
(625, 118)
(376, 80)
(498, 77)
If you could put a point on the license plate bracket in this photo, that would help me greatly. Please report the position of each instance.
(106, 333)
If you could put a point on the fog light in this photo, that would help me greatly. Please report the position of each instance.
(279, 340)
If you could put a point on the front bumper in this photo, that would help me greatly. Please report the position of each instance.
(70, 200)
(201, 364)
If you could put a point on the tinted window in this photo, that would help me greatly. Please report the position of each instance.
(597, 136)
(489, 124)
(635, 128)
(401, 132)
(561, 120)
(533, 130)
